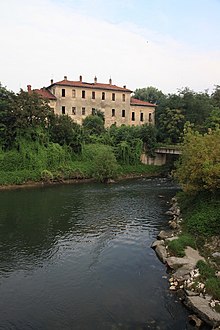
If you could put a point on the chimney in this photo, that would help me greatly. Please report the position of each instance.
(95, 80)
(110, 81)
(29, 88)
(65, 77)
(124, 86)
(80, 78)
(51, 81)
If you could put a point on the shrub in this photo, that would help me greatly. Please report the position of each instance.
(103, 162)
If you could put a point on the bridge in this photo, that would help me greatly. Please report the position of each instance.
(162, 154)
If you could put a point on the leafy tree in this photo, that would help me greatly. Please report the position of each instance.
(150, 94)
(93, 124)
(199, 166)
(215, 96)
(7, 118)
(213, 120)
(170, 126)
(148, 134)
(64, 131)
(103, 161)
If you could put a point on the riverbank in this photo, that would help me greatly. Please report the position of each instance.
(126, 172)
(193, 260)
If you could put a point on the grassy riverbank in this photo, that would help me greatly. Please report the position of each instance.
(200, 229)
(53, 163)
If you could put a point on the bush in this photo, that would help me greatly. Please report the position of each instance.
(103, 162)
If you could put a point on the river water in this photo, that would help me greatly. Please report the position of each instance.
(79, 257)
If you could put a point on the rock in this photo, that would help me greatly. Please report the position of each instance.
(169, 239)
(191, 258)
(161, 252)
(156, 243)
(201, 307)
(191, 293)
(164, 234)
(216, 254)
(195, 321)
(175, 262)
(172, 288)
(182, 273)
(169, 212)
(173, 225)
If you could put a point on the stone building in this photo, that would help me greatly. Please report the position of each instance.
(79, 99)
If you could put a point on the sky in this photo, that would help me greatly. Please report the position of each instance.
(168, 44)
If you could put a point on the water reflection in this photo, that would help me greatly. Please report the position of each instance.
(79, 257)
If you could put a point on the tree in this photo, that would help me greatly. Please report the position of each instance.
(93, 124)
(213, 120)
(7, 118)
(64, 131)
(148, 134)
(150, 94)
(170, 125)
(199, 166)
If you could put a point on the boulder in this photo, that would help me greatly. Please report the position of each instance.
(200, 307)
(156, 243)
(164, 234)
(191, 258)
(195, 321)
(161, 252)
(175, 262)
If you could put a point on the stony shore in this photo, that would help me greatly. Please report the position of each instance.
(184, 275)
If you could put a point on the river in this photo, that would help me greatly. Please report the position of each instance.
(79, 257)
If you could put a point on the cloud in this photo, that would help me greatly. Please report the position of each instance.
(43, 40)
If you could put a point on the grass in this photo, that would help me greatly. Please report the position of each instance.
(140, 169)
(177, 246)
(201, 213)
(212, 282)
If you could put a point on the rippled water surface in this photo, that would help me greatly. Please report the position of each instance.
(79, 257)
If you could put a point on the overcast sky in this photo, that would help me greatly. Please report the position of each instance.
(168, 44)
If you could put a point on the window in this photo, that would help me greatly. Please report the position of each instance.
(103, 95)
(83, 111)
(123, 113)
(113, 112)
(63, 110)
(150, 117)
(141, 116)
(123, 97)
(133, 116)
(63, 92)
(83, 94)
(73, 93)
(53, 91)
(93, 111)
(73, 110)
(113, 96)
(52, 109)
(93, 95)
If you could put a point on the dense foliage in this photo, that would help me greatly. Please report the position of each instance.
(33, 139)
(37, 145)
(199, 166)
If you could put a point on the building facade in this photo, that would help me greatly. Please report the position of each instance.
(79, 99)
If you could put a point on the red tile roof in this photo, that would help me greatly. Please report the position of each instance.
(46, 94)
(90, 85)
(143, 103)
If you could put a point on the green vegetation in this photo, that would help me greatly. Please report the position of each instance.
(177, 246)
(37, 145)
(207, 275)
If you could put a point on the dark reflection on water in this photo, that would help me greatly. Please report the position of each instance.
(79, 257)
